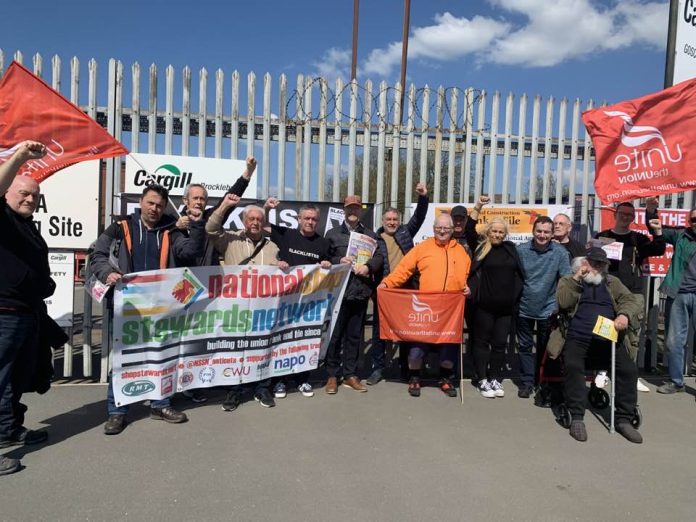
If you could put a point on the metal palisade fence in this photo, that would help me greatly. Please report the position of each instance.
(317, 139)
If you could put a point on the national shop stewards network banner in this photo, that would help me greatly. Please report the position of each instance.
(186, 328)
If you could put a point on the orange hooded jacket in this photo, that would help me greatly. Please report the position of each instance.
(442, 268)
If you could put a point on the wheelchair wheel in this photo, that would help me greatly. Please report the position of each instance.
(599, 399)
(637, 418)
(563, 416)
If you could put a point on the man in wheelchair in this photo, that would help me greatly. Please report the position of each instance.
(583, 296)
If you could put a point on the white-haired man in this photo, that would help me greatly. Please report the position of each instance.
(583, 296)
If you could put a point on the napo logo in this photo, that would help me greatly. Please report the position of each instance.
(186, 379)
(135, 388)
(207, 374)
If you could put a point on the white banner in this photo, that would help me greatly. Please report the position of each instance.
(186, 328)
(519, 218)
(685, 43)
(175, 172)
(60, 304)
(68, 212)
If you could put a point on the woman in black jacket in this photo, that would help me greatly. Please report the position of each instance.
(496, 284)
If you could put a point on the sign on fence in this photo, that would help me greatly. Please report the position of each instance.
(519, 218)
(175, 172)
(60, 304)
(186, 328)
(68, 211)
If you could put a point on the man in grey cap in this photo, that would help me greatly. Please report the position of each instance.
(585, 295)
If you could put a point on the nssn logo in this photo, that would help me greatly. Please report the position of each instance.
(642, 162)
(422, 312)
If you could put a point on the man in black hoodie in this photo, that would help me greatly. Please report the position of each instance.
(25, 280)
(142, 241)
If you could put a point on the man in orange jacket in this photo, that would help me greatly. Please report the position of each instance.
(443, 266)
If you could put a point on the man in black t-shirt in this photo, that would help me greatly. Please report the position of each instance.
(636, 248)
(298, 246)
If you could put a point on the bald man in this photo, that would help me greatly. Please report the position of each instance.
(25, 280)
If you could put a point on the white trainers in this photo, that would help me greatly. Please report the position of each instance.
(497, 388)
(485, 389)
(279, 390)
(641, 387)
(601, 379)
(306, 389)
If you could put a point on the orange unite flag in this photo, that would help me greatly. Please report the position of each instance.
(646, 146)
(425, 317)
(31, 110)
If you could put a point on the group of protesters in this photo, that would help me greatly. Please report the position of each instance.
(548, 287)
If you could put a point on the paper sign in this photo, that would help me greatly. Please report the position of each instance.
(605, 328)
(361, 247)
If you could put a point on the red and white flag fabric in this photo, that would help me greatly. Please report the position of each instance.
(647, 146)
(31, 110)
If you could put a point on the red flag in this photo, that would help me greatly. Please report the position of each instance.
(31, 110)
(426, 317)
(646, 146)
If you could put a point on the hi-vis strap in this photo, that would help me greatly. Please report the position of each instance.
(164, 249)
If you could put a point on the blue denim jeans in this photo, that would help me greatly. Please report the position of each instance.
(529, 364)
(682, 312)
(17, 334)
(122, 410)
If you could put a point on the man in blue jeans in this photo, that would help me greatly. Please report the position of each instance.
(25, 280)
(680, 287)
(544, 262)
(145, 240)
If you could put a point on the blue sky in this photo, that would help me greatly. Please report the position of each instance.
(605, 50)
(602, 49)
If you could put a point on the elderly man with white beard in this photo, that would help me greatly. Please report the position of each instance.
(583, 296)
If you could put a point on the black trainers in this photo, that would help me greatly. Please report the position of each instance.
(115, 424)
(629, 432)
(374, 377)
(669, 388)
(195, 396)
(232, 400)
(264, 398)
(578, 431)
(25, 437)
(525, 391)
(8, 465)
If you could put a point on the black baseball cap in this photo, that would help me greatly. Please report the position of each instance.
(597, 254)
(458, 211)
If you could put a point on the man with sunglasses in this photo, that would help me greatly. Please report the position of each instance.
(680, 287)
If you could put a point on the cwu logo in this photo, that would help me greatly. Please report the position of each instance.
(135, 388)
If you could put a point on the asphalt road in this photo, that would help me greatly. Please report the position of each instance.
(380, 455)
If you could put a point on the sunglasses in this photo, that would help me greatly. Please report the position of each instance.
(692, 220)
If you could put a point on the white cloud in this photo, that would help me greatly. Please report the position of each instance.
(567, 29)
(334, 64)
(528, 33)
(448, 39)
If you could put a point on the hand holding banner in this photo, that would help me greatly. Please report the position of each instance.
(427, 317)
